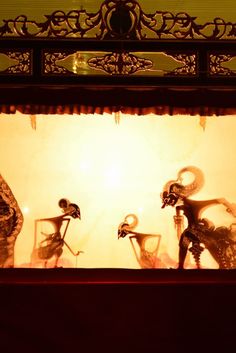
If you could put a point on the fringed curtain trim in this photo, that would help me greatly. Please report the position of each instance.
(159, 101)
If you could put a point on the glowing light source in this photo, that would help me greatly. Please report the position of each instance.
(25, 210)
(85, 165)
(112, 171)
(140, 210)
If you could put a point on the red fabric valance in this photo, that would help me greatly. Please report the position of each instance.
(139, 101)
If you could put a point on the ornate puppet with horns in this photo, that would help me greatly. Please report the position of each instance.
(199, 231)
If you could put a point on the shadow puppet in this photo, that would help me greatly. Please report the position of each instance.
(52, 245)
(11, 222)
(145, 246)
(200, 233)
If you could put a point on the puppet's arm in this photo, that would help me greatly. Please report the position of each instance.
(230, 207)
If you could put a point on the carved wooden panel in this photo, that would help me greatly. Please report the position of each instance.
(222, 64)
(121, 19)
(119, 63)
(15, 61)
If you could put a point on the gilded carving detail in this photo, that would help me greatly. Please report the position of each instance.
(189, 67)
(15, 62)
(50, 63)
(121, 19)
(120, 63)
(222, 64)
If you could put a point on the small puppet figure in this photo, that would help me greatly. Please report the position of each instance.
(198, 231)
(146, 257)
(52, 245)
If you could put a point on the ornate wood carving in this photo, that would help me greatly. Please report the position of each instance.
(219, 65)
(15, 61)
(120, 19)
(119, 63)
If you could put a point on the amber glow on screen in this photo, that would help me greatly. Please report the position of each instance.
(112, 170)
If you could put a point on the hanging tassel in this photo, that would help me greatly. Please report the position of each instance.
(202, 122)
(33, 121)
(117, 118)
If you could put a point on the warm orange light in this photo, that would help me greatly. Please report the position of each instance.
(110, 171)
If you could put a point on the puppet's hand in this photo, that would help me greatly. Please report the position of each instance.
(232, 209)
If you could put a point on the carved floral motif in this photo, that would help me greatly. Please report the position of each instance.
(121, 19)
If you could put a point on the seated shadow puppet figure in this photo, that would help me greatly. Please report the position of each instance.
(52, 245)
(11, 222)
(199, 231)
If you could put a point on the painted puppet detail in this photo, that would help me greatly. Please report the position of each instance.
(52, 245)
(11, 221)
(146, 258)
(199, 231)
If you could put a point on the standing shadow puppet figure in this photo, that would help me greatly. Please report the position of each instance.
(146, 256)
(220, 242)
(52, 245)
(11, 222)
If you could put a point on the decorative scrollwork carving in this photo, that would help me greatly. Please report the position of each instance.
(50, 65)
(21, 62)
(120, 19)
(70, 63)
(189, 68)
(120, 63)
(215, 65)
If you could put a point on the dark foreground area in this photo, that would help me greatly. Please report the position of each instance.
(116, 310)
